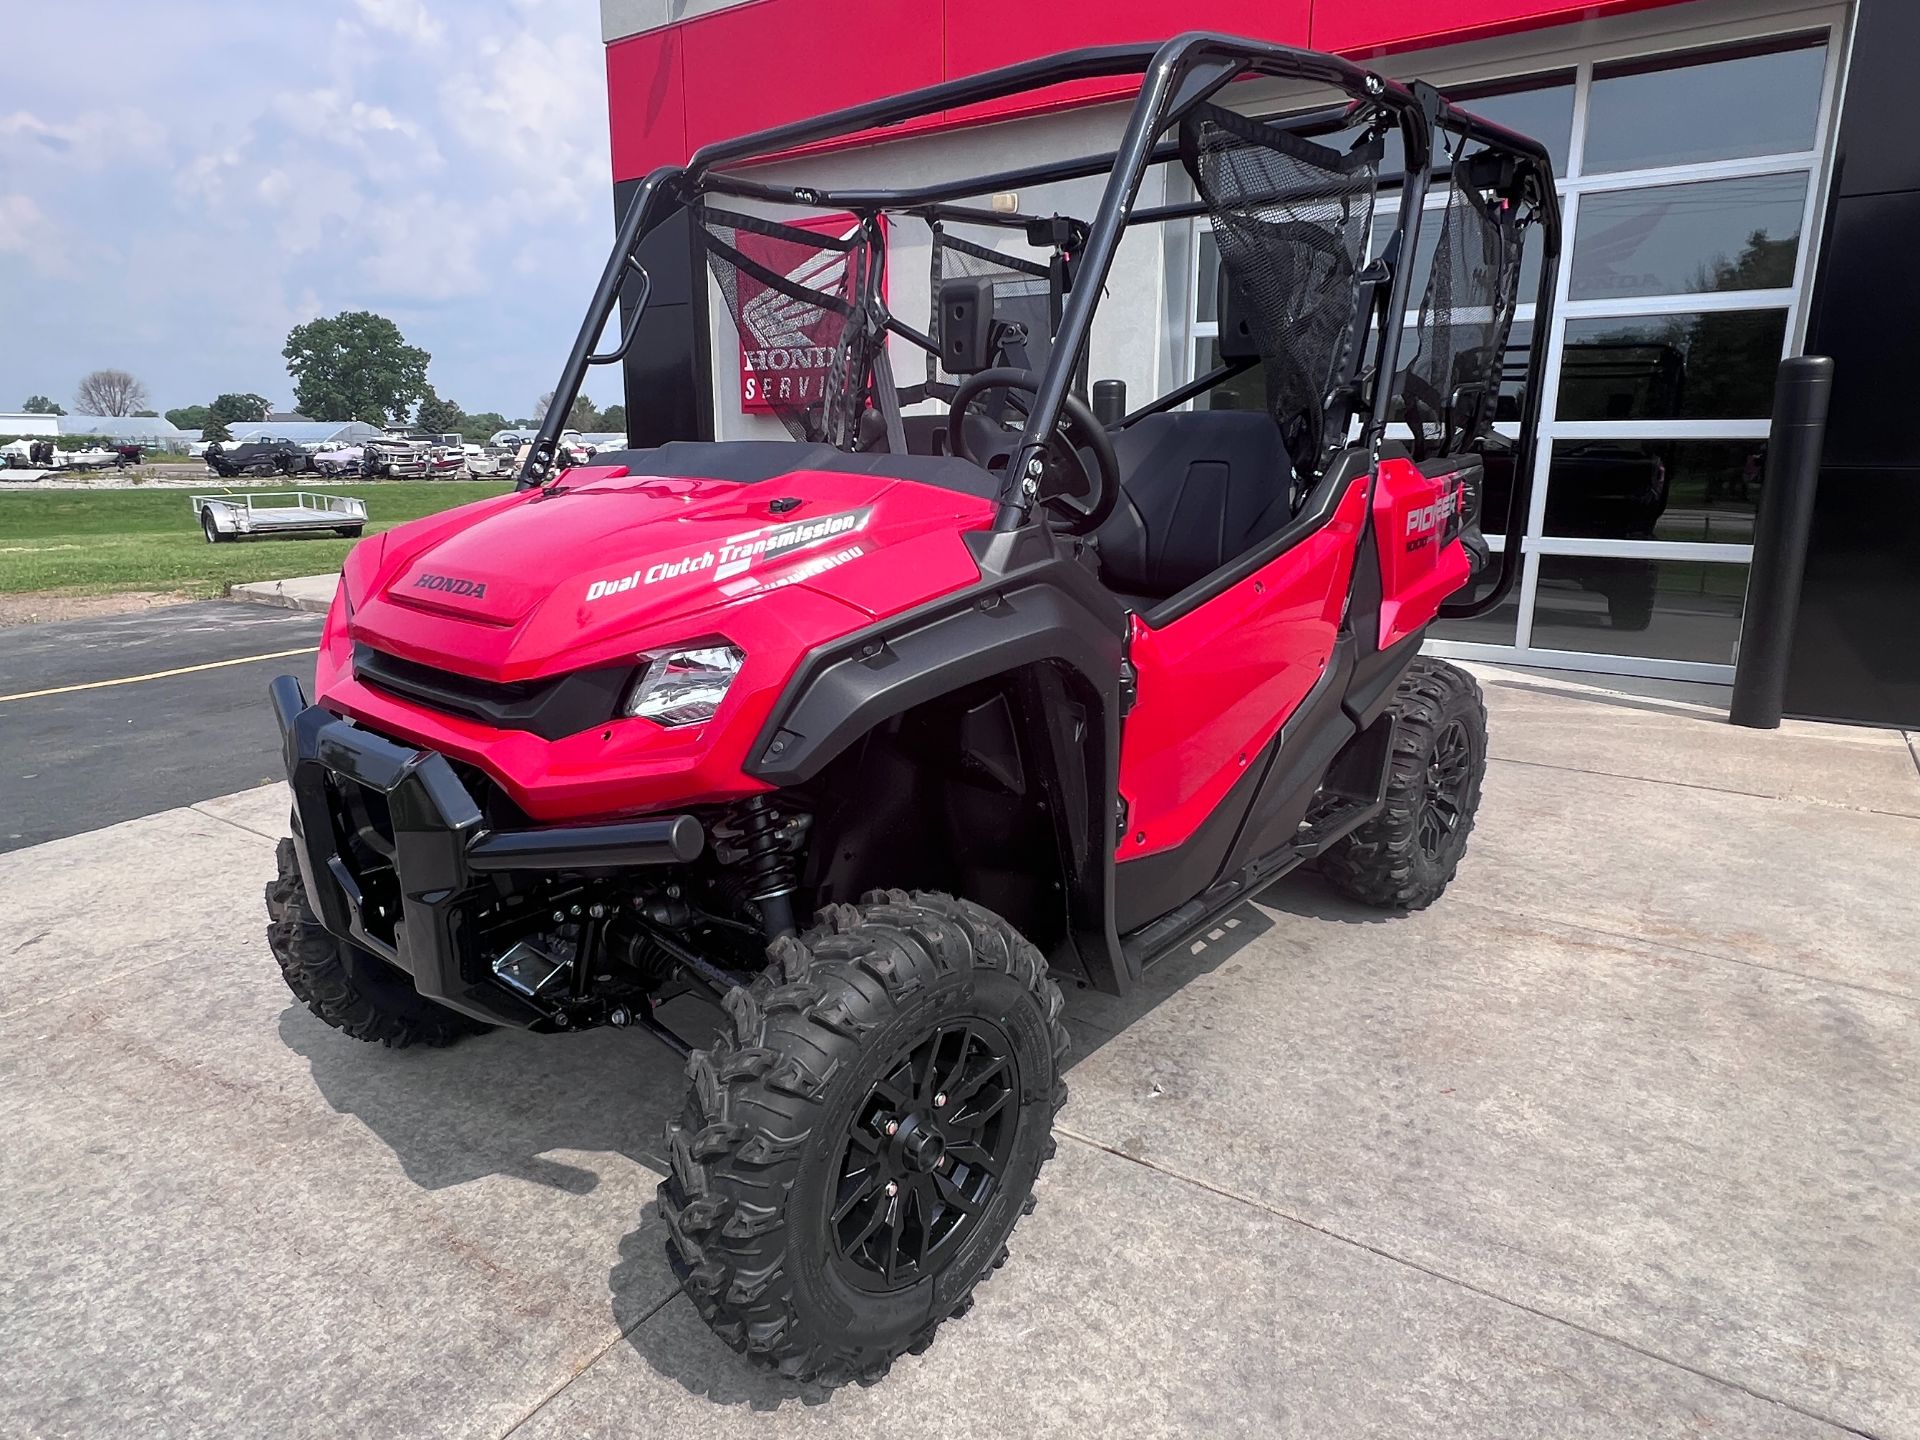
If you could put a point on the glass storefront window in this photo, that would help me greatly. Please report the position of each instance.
(1498, 628)
(1699, 491)
(1661, 609)
(1739, 234)
(1712, 366)
(1685, 109)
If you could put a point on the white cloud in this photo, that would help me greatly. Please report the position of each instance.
(409, 19)
(89, 140)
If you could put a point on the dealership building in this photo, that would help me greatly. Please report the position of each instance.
(1738, 184)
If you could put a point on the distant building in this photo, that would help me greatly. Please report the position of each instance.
(300, 431)
(123, 429)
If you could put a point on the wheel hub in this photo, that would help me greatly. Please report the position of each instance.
(922, 1147)
(924, 1156)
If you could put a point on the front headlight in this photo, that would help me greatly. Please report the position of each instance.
(685, 687)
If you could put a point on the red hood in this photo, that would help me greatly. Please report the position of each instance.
(528, 584)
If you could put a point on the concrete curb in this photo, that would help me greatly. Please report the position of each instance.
(302, 592)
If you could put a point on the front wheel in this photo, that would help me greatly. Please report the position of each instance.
(211, 530)
(854, 1155)
(1406, 855)
(345, 986)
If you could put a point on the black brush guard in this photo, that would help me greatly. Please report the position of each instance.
(408, 806)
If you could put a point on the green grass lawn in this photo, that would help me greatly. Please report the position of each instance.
(91, 543)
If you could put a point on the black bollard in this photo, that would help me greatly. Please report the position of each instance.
(1780, 539)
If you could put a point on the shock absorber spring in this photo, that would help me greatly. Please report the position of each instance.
(765, 864)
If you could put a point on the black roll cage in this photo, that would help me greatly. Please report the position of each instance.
(1178, 75)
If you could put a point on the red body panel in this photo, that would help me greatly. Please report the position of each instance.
(1418, 569)
(1216, 684)
(523, 586)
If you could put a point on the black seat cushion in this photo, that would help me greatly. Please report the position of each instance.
(1199, 488)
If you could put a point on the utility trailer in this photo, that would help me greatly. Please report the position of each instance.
(290, 512)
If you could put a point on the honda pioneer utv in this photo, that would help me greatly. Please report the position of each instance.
(868, 734)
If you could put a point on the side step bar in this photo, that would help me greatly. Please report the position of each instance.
(1353, 792)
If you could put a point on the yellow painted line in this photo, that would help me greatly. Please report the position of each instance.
(160, 674)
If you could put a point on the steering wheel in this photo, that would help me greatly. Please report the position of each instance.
(1080, 507)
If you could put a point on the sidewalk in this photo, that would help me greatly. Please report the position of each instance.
(302, 592)
(1617, 1139)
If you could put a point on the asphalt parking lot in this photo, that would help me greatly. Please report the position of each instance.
(1618, 1139)
(110, 718)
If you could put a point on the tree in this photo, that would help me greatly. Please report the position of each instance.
(355, 366)
(110, 392)
(583, 415)
(613, 418)
(243, 409)
(479, 429)
(437, 416)
(215, 429)
(41, 405)
(188, 417)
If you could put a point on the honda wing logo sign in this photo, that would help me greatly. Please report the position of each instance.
(787, 344)
(739, 554)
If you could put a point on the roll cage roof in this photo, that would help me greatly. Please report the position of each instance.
(1179, 77)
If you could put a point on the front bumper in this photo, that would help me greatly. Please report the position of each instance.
(397, 857)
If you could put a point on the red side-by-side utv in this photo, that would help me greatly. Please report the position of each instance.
(869, 734)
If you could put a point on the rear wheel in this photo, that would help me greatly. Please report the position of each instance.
(344, 985)
(211, 530)
(350, 532)
(1406, 855)
(854, 1155)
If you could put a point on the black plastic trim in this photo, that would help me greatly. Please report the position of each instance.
(439, 845)
(552, 708)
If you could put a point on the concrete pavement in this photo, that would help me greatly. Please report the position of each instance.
(302, 592)
(1618, 1139)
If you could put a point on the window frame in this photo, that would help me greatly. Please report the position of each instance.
(1822, 24)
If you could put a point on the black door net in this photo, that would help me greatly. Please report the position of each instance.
(1023, 296)
(1451, 383)
(805, 303)
(1291, 218)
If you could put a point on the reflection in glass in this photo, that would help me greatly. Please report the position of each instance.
(1702, 491)
(1668, 609)
(1499, 628)
(1682, 109)
(1739, 234)
(1245, 391)
(1718, 366)
(1543, 111)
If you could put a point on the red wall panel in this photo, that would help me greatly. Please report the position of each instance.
(1360, 29)
(646, 103)
(733, 71)
(779, 60)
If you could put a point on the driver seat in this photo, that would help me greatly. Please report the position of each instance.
(1197, 489)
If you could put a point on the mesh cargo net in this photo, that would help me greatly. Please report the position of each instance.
(1022, 293)
(795, 294)
(1450, 385)
(1291, 219)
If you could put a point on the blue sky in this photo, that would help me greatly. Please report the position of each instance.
(182, 182)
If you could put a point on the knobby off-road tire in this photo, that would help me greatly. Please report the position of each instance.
(1403, 858)
(346, 987)
(785, 1129)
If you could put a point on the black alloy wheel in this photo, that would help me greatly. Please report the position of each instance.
(1449, 773)
(923, 1157)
